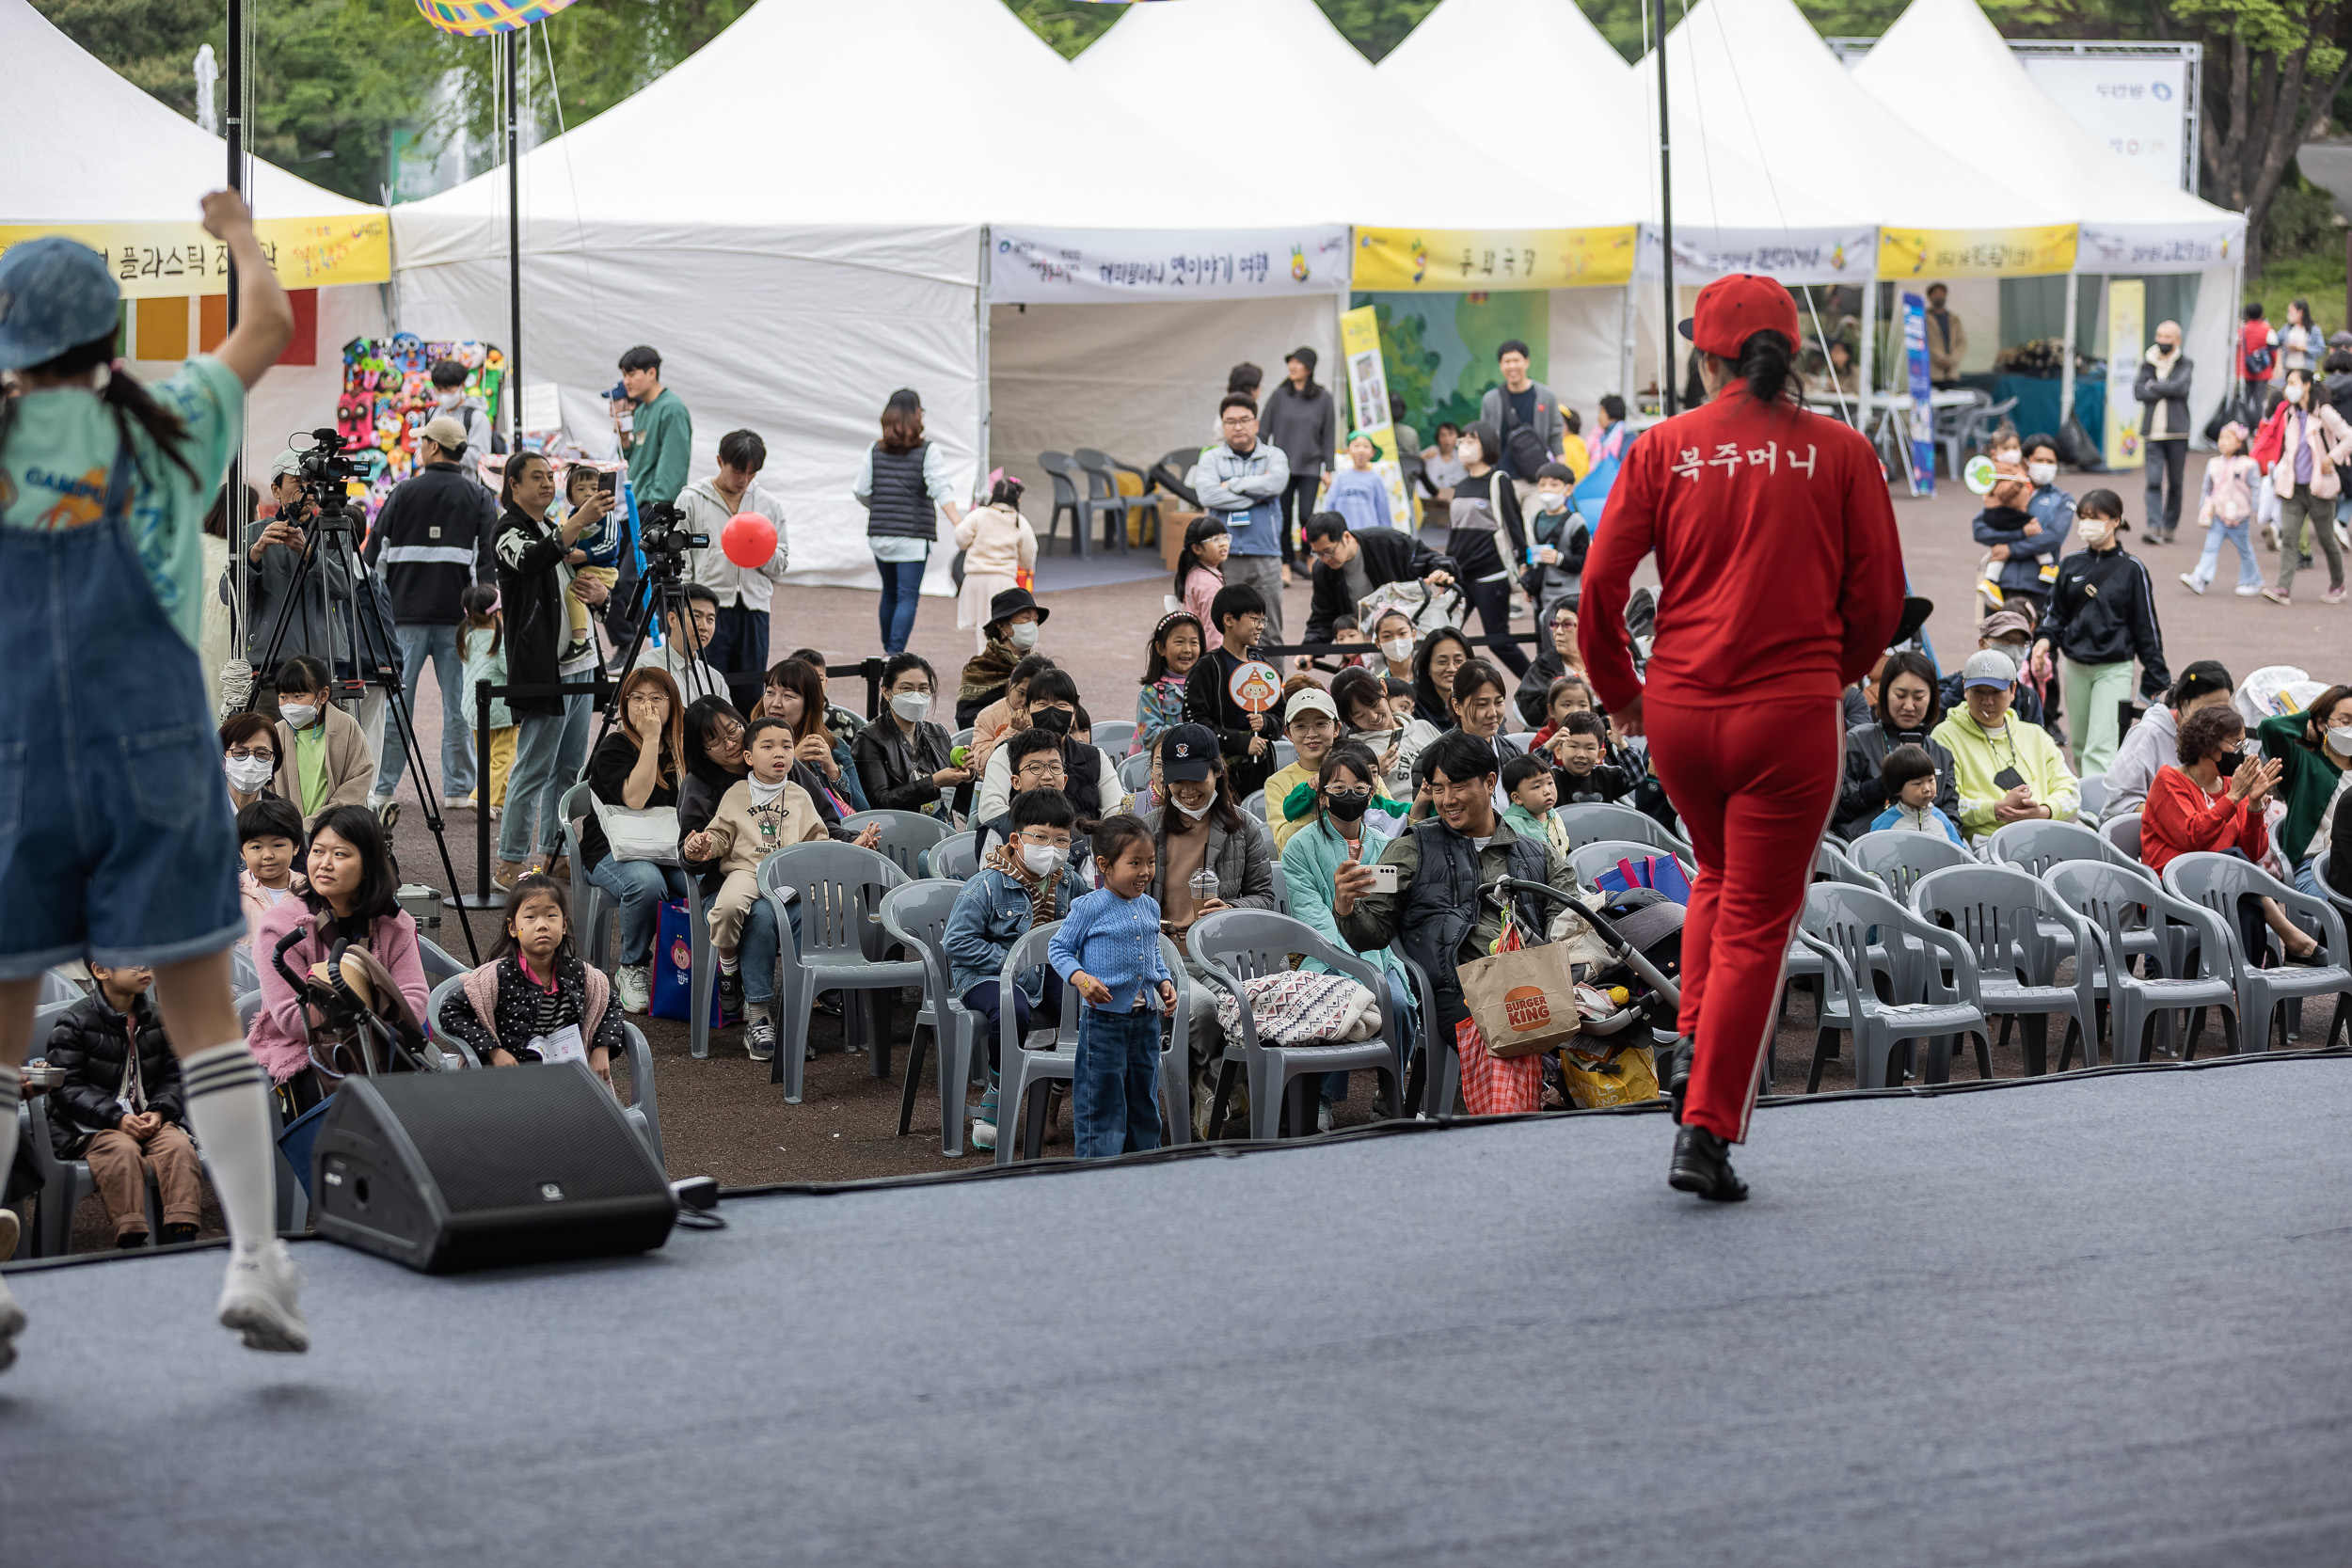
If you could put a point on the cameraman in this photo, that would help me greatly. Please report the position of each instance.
(319, 623)
(687, 628)
(739, 645)
(432, 540)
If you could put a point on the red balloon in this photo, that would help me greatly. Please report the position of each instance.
(748, 539)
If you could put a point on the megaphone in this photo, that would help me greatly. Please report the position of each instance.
(1979, 474)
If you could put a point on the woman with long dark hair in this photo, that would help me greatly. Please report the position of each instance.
(1485, 523)
(1301, 418)
(639, 766)
(903, 488)
(1781, 577)
(1909, 707)
(1200, 573)
(122, 849)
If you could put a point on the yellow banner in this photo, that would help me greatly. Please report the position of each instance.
(2127, 325)
(1368, 385)
(160, 261)
(1465, 261)
(1928, 254)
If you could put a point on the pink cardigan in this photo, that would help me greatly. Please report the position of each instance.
(279, 1039)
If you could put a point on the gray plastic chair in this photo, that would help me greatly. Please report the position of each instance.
(2121, 834)
(1069, 498)
(291, 1196)
(1135, 771)
(2217, 881)
(1999, 912)
(1284, 754)
(916, 914)
(644, 1111)
(1022, 1071)
(1589, 820)
(1901, 859)
(56, 988)
(1112, 735)
(1440, 1081)
(1588, 861)
(2036, 846)
(1838, 923)
(905, 834)
(1237, 946)
(956, 859)
(839, 887)
(1253, 803)
(1102, 471)
(450, 1053)
(596, 907)
(961, 737)
(64, 1183)
(2111, 900)
(2091, 791)
(439, 963)
(2320, 864)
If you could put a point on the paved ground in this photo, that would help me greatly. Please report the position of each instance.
(721, 1118)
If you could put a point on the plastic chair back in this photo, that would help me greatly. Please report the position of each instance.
(1135, 771)
(1590, 820)
(56, 988)
(2123, 835)
(439, 964)
(2115, 902)
(905, 834)
(957, 857)
(2036, 846)
(1588, 861)
(2091, 790)
(1901, 859)
(1112, 735)
(840, 888)
(1997, 910)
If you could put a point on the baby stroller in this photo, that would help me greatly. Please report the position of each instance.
(1615, 1059)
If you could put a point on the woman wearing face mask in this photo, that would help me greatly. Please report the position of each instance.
(902, 757)
(2313, 749)
(2211, 799)
(322, 755)
(2314, 441)
(248, 754)
(1394, 639)
(1091, 777)
(1908, 708)
(2026, 542)
(1557, 657)
(1485, 524)
(1201, 572)
(2103, 615)
(1344, 827)
(1015, 619)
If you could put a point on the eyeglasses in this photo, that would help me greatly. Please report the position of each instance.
(248, 754)
(1040, 769)
(1335, 796)
(1236, 420)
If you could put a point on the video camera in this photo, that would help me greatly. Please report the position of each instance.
(327, 472)
(666, 540)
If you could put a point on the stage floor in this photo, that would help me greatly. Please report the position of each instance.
(2092, 1320)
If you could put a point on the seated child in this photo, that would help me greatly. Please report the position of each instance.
(1578, 749)
(1529, 782)
(1025, 880)
(1908, 777)
(598, 553)
(269, 836)
(1108, 949)
(124, 1111)
(534, 1001)
(1034, 760)
(756, 817)
(1568, 694)
(1345, 629)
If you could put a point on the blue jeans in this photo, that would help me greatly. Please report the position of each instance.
(2238, 534)
(642, 887)
(1114, 1088)
(739, 644)
(535, 787)
(117, 843)
(758, 951)
(903, 589)
(440, 644)
(986, 1000)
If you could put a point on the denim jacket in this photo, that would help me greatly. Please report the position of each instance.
(990, 915)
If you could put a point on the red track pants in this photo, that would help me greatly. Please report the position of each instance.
(1754, 783)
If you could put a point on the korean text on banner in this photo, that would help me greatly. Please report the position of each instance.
(1037, 266)
(1466, 261)
(1922, 408)
(2127, 330)
(172, 260)
(1368, 384)
(1928, 254)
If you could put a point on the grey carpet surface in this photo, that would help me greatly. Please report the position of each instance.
(2089, 1322)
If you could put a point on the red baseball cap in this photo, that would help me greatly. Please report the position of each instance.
(1735, 306)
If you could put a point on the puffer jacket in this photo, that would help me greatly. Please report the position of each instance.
(91, 1041)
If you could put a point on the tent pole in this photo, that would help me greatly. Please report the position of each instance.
(2066, 360)
(514, 257)
(1866, 378)
(233, 495)
(1625, 347)
(980, 327)
(1671, 404)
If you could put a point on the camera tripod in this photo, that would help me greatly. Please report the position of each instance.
(333, 532)
(660, 591)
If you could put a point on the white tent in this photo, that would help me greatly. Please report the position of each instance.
(93, 155)
(1944, 70)
(798, 218)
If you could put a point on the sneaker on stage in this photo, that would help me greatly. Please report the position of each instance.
(1702, 1164)
(259, 1299)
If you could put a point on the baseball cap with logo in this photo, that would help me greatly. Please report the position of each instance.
(56, 293)
(1188, 752)
(1988, 667)
(1735, 306)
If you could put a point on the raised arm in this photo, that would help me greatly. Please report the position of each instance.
(265, 315)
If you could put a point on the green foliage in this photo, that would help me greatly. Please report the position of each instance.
(1069, 26)
(2301, 222)
(334, 79)
(1376, 26)
(150, 42)
(1411, 365)
(2318, 277)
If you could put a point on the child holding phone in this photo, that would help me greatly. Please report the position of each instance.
(598, 554)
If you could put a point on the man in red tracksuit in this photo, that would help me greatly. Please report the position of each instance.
(1781, 578)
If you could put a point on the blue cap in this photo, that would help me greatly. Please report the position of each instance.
(56, 293)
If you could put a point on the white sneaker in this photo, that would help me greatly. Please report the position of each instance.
(2246, 590)
(11, 1325)
(258, 1299)
(377, 802)
(2194, 586)
(1323, 1117)
(983, 1134)
(458, 802)
(635, 984)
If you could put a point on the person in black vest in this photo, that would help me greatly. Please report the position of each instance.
(1349, 564)
(1441, 863)
(903, 489)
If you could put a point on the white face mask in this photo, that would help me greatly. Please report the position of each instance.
(1195, 813)
(299, 716)
(2339, 742)
(911, 706)
(1552, 500)
(1043, 860)
(1397, 650)
(1468, 452)
(2041, 473)
(2096, 531)
(248, 774)
(1022, 637)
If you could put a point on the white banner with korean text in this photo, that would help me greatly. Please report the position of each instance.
(1041, 266)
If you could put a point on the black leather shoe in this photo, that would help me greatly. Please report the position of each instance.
(1677, 1084)
(1702, 1164)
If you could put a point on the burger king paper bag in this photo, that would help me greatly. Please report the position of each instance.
(1523, 998)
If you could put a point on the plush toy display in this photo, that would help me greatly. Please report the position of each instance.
(388, 395)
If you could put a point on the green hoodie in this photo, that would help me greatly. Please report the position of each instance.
(2307, 785)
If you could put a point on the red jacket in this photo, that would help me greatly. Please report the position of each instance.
(2180, 816)
(1780, 571)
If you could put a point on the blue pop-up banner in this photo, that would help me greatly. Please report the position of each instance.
(1922, 413)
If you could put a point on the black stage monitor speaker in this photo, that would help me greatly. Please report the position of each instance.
(445, 1171)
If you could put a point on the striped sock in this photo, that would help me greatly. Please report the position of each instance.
(228, 1112)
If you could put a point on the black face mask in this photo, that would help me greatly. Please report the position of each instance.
(1052, 720)
(1348, 808)
(2229, 761)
